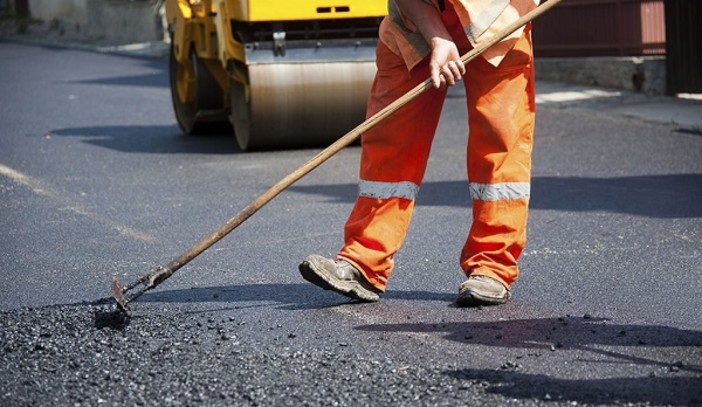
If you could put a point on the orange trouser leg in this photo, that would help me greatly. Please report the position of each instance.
(394, 154)
(501, 120)
(393, 160)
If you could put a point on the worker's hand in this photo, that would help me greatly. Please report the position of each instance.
(445, 65)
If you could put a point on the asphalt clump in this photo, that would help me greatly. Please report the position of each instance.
(87, 354)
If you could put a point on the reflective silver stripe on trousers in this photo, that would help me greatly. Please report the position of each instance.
(499, 192)
(387, 190)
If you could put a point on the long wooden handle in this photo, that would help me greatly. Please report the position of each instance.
(162, 273)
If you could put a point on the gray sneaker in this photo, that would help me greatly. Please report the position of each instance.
(481, 290)
(339, 276)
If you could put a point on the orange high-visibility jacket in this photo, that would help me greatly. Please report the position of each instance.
(480, 20)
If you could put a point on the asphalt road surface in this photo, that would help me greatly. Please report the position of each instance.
(96, 181)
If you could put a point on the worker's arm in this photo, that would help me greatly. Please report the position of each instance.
(445, 64)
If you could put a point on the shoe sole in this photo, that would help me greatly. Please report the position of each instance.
(473, 299)
(329, 282)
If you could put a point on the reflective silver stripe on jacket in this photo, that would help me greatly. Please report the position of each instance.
(482, 21)
(498, 192)
(387, 190)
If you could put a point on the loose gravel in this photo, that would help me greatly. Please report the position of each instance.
(86, 354)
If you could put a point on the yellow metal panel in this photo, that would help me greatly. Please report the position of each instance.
(285, 10)
(238, 9)
(227, 47)
(175, 8)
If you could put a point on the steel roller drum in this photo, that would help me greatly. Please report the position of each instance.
(308, 104)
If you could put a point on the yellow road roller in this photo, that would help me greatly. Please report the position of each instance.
(284, 74)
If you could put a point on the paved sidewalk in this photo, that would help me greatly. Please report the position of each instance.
(685, 112)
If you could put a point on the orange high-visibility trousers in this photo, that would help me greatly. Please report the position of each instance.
(501, 110)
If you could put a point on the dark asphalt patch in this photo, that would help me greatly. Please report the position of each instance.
(86, 354)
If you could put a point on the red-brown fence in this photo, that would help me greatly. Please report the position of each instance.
(601, 28)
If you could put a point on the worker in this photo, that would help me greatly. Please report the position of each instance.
(421, 39)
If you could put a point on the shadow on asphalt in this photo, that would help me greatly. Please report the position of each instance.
(654, 196)
(669, 391)
(288, 296)
(157, 79)
(565, 332)
(608, 343)
(154, 139)
(219, 139)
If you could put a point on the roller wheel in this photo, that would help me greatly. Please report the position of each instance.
(299, 105)
(196, 96)
(241, 117)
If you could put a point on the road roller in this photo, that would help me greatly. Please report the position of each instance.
(281, 74)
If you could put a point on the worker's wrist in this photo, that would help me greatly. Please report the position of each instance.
(439, 40)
